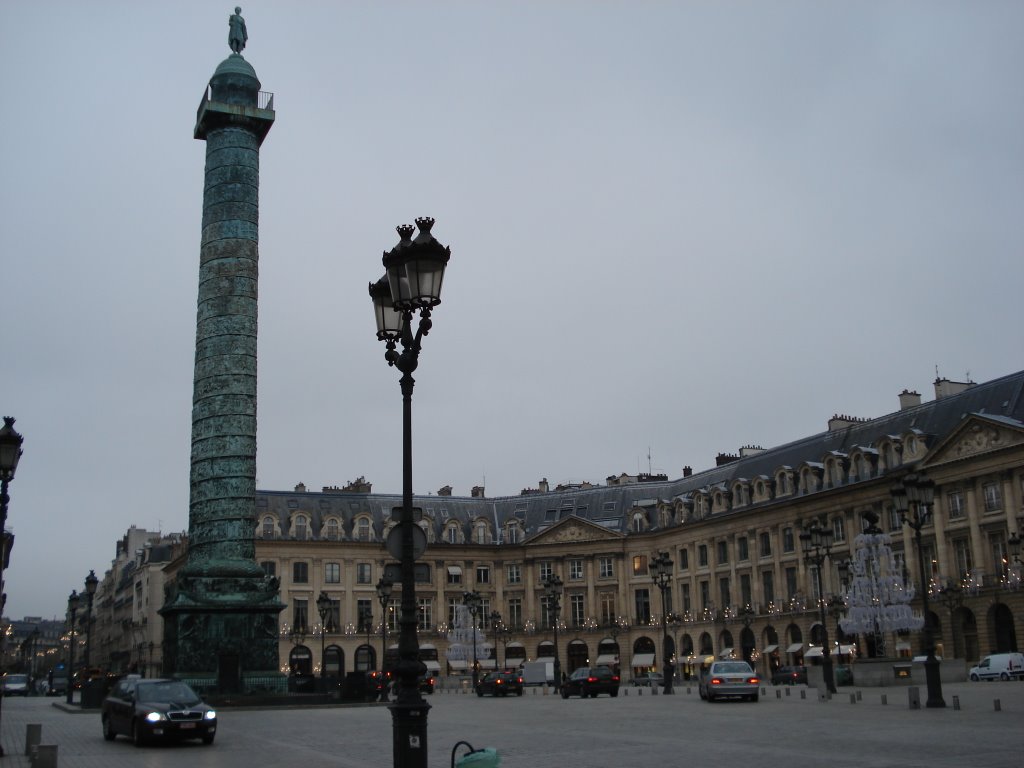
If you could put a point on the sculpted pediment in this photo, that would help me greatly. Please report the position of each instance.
(573, 530)
(975, 436)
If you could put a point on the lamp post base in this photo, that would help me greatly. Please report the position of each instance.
(933, 681)
(409, 731)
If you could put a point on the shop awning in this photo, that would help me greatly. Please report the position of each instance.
(458, 663)
(902, 645)
(454, 570)
(795, 648)
(843, 650)
(643, 660)
(725, 654)
(432, 666)
(770, 649)
(607, 658)
(813, 652)
(488, 663)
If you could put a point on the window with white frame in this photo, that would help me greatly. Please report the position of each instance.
(993, 496)
(268, 527)
(639, 565)
(955, 504)
(606, 568)
(363, 574)
(363, 529)
(300, 573)
(514, 573)
(301, 528)
(332, 573)
(480, 532)
(451, 534)
(424, 614)
(575, 570)
(332, 529)
(838, 528)
(454, 574)
(300, 615)
(512, 533)
(607, 602)
(483, 574)
(514, 617)
(576, 610)
(545, 570)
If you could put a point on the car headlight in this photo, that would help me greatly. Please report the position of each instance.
(211, 714)
(155, 717)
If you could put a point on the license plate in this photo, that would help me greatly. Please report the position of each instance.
(185, 726)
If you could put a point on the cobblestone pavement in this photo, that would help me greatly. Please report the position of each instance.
(781, 730)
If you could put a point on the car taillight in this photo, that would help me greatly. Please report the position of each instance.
(591, 679)
(615, 678)
(716, 681)
(753, 681)
(498, 681)
(519, 679)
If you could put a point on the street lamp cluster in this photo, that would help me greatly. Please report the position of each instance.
(414, 272)
(817, 546)
(473, 601)
(553, 592)
(914, 500)
(661, 573)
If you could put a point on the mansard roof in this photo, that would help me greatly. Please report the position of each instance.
(610, 506)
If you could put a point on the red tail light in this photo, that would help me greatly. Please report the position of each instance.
(615, 678)
(499, 681)
(591, 679)
(753, 681)
(519, 679)
(716, 681)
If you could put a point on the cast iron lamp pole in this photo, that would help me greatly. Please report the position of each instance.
(414, 271)
(496, 623)
(553, 591)
(384, 588)
(913, 499)
(323, 608)
(73, 600)
(817, 545)
(472, 601)
(91, 583)
(10, 453)
(951, 595)
(661, 567)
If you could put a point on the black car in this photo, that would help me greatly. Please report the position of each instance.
(500, 684)
(790, 676)
(426, 683)
(591, 681)
(146, 708)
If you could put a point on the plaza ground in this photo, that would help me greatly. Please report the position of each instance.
(543, 730)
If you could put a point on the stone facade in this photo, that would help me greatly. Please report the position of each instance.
(740, 583)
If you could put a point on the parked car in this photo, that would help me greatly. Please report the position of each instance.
(729, 679)
(58, 686)
(790, 676)
(648, 680)
(146, 708)
(500, 684)
(15, 685)
(378, 685)
(999, 666)
(427, 683)
(591, 681)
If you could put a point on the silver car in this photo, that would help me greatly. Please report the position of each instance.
(725, 679)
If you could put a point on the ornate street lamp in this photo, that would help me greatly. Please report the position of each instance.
(661, 573)
(73, 600)
(473, 601)
(414, 272)
(951, 595)
(914, 499)
(91, 582)
(384, 588)
(817, 545)
(503, 633)
(10, 453)
(553, 591)
(323, 608)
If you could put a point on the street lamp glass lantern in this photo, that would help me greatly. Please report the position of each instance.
(389, 319)
(90, 583)
(323, 606)
(10, 449)
(73, 601)
(900, 500)
(384, 589)
(415, 268)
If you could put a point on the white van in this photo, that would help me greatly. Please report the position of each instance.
(999, 666)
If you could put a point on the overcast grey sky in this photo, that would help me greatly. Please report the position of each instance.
(682, 227)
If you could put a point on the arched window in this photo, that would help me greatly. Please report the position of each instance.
(480, 532)
(512, 533)
(332, 529)
(638, 522)
(268, 527)
(301, 528)
(452, 534)
(363, 529)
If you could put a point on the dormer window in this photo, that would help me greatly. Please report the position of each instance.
(268, 527)
(363, 529)
(301, 528)
(332, 529)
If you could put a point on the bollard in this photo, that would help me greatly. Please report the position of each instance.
(956, 702)
(803, 693)
(654, 690)
(885, 700)
(688, 690)
(639, 691)
(998, 705)
(853, 698)
(914, 697)
(788, 690)
(858, 695)
(778, 693)
(46, 756)
(625, 691)
(33, 735)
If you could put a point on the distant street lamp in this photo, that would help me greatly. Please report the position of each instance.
(323, 608)
(661, 573)
(91, 582)
(951, 595)
(817, 545)
(503, 633)
(10, 453)
(473, 601)
(384, 587)
(414, 272)
(914, 499)
(553, 591)
(73, 601)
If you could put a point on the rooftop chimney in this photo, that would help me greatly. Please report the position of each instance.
(947, 388)
(909, 399)
(687, 471)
